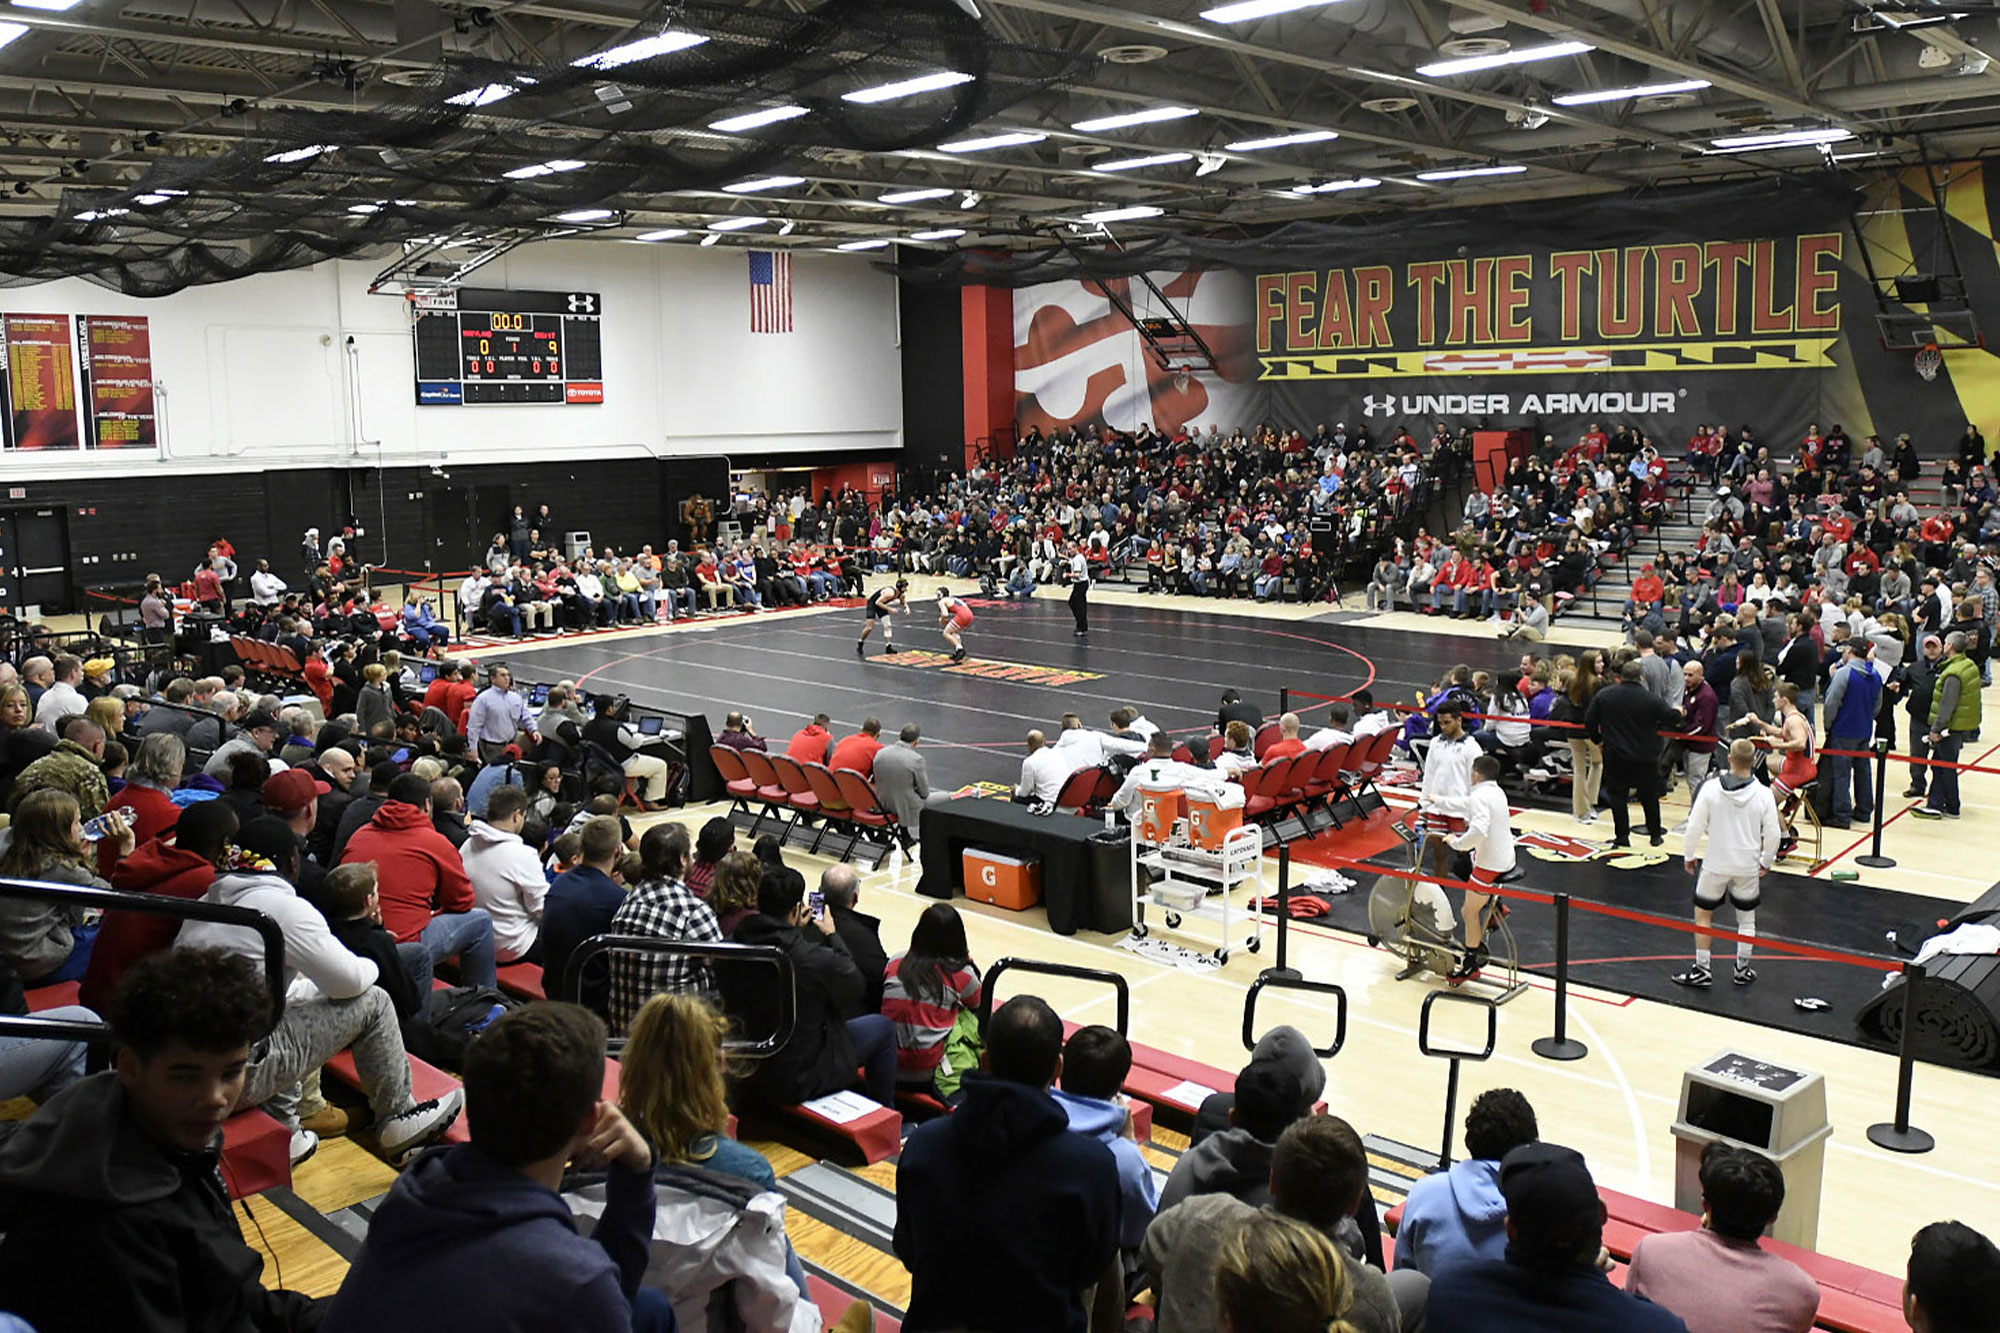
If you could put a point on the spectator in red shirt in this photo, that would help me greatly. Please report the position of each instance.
(858, 751)
(425, 892)
(208, 588)
(182, 866)
(809, 744)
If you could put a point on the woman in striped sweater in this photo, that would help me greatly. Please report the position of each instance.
(925, 991)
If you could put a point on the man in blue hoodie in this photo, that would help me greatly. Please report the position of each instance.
(1553, 1279)
(1095, 1062)
(1457, 1217)
(478, 1237)
(1005, 1216)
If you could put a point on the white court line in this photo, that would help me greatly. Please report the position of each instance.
(1641, 1158)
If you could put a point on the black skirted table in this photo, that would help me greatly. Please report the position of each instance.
(1086, 874)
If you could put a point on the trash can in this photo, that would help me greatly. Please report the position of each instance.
(1161, 804)
(574, 544)
(1110, 907)
(1213, 814)
(1779, 1111)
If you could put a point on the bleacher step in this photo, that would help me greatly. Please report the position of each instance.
(849, 1203)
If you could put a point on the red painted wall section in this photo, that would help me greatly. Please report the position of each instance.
(988, 314)
(871, 479)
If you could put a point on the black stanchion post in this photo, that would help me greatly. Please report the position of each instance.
(1875, 860)
(1281, 971)
(1900, 1135)
(1561, 1046)
(1450, 1112)
(1284, 699)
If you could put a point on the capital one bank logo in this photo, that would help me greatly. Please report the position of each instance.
(1379, 405)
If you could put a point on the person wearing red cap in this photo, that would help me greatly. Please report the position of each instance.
(426, 895)
(293, 796)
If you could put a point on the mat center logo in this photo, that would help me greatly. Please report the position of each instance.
(1018, 672)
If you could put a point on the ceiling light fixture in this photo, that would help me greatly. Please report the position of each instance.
(970, 199)
(913, 196)
(586, 215)
(1444, 69)
(757, 183)
(1245, 10)
(751, 120)
(645, 48)
(736, 224)
(291, 155)
(872, 243)
(99, 214)
(1131, 214)
(710, 239)
(787, 227)
(1462, 173)
(487, 96)
(1781, 139)
(1279, 141)
(1137, 163)
(9, 31)
(1150, 116)
(550, 168)
(364, 208)
(923, 83)
(53, 6)
(940, 234)
(1620, 94)
(1333, 187)
(1007, 140)
(1207, 164)
(663, 234)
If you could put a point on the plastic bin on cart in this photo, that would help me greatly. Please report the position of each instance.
(1213, 814)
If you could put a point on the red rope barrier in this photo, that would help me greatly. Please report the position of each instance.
(1812, 951)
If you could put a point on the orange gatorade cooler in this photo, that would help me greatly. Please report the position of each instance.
(1161, 802)
(1005, 881)
(1213, 815)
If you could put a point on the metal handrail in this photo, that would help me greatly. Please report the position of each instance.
(760, 954)
(1278, 981)
(113, 900)
(1118, 984)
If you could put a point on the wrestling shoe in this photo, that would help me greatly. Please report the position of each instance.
(861, 648)
(1468, 967)
(958, 654)
(1698, 977)
(1745, 974)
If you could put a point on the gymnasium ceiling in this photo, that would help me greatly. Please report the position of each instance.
(153, 144)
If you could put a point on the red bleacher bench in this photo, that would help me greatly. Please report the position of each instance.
(522, 980)
(256, 1153)
(53, 997)
(876, 1136)
(833, 1303)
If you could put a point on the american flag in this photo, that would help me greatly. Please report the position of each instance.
(770, 292)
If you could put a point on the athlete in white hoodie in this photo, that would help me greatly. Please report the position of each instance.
(1489, 836)
(331, 1002)
(1739, 818)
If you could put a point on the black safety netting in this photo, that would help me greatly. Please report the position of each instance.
(434, 159)
(1752, 208)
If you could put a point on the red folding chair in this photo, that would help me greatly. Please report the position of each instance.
(798, 787)
(1256, 805)
(1267, 736)
(1077, 790)
(1280, 784)
(736, 779)
(833, 807)
(1368, 766)
(865, 804)
(1183, 753)
(771, 793)
(1107, 787)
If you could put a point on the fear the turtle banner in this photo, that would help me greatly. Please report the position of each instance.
(1770, 323)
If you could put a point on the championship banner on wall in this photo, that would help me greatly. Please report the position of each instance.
(1687, 315)
(38, 383)
(116, 354)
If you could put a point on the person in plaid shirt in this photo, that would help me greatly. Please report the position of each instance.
(663, 907)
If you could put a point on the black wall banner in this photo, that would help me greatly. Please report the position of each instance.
(1682, 308)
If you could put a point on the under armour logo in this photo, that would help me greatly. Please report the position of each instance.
(582, 303)
(1379, 405)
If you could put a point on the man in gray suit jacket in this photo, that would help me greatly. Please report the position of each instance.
(903, 781)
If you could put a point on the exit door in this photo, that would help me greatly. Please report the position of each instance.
(34, 561)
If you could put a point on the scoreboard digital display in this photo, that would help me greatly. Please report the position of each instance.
(484, 346)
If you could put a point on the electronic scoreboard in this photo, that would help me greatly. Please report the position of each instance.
(478, 345)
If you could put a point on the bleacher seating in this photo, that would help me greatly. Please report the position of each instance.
(256, 1154)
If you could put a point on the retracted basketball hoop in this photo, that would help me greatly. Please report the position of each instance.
(1929, 361)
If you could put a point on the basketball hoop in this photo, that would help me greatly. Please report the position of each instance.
(1929, 361)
